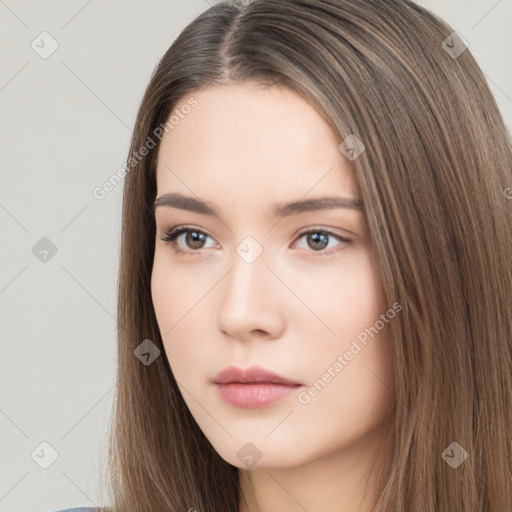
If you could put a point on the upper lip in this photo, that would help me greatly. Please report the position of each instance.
(254, 374)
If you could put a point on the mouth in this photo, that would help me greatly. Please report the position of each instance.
(254, 387)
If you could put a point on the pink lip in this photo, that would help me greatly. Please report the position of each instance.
(253, 396)
(254, 387)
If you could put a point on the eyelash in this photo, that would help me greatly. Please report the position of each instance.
(174, 233)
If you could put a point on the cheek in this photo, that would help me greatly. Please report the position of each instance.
(350, 307)
(164, 296)
(180, 300)
(180, 303)
(174, 291)
(348, 300)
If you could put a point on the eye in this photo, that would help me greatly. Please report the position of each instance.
(319, 240)
(194, 239)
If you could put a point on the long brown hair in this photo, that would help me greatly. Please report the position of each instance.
(435, 182)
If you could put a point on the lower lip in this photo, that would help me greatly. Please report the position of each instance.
(254, 396)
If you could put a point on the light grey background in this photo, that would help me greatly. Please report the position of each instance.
(65, 128)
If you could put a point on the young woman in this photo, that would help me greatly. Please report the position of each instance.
(315, 280)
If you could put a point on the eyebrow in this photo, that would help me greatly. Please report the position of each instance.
(177, 200)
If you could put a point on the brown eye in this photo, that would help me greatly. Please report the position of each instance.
(194, 239)
(318, 240)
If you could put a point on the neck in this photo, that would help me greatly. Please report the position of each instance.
(342, 480)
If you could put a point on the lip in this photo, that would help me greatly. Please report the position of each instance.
(252, 375)
(254, 387)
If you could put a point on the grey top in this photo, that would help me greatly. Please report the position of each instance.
(78, 509)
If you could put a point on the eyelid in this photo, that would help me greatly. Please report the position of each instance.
(323, 229)
(177, 230)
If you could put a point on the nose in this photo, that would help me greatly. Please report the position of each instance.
(250, 301)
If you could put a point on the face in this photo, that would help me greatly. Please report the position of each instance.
(293, 292)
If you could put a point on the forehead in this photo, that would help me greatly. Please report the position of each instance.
(253, 138)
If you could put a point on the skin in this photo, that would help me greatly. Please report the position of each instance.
(293, 310)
